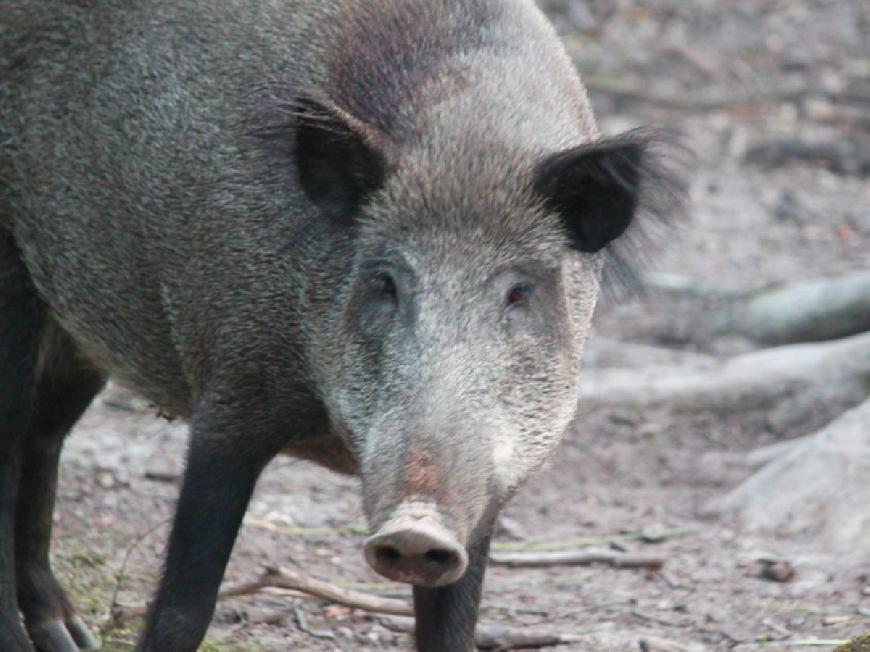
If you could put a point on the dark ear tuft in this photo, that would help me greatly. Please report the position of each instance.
(595, 190)
(620, 193)
(339, 160)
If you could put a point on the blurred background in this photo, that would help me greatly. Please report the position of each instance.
(723, 429)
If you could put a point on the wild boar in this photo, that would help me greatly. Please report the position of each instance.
(369, 234)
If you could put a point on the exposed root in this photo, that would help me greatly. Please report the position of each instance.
(755, 380)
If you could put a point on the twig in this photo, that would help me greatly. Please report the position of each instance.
(847, 156)
(122, 572)
(303, 626)
(286, 578)
(494, 636)
(809, 642)
(162, 476)
(813, 642)
(653, 619)
(574, 558)
(646, 536)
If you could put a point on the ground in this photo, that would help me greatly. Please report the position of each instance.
(730, 75)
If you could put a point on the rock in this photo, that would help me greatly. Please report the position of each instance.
(817, 489)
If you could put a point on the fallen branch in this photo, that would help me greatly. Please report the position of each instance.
(286, 578)
(574, 558)
(494, 636)
(651, 535)
(814, 642)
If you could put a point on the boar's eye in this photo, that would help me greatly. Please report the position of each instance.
(385, 287)
(519, 295)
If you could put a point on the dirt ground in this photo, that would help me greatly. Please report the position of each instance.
(731, 75)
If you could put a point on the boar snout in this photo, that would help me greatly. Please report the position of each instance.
(416, 548)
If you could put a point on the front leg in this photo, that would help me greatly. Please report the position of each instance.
(222, 468)
(447, 616)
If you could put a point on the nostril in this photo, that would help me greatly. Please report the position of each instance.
(387, 554)
(419, 551)
(440, 557)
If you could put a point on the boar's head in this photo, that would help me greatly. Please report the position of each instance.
(452, 312)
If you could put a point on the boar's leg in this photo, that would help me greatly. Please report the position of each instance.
(64, 390)
(21, 317)
(223, 464)
(447, 615)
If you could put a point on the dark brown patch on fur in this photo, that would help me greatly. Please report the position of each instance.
(392, 48)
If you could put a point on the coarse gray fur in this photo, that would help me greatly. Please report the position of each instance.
(159, 214)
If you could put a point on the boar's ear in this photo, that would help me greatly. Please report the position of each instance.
(594, 188)
(630, 184)
(340, 160)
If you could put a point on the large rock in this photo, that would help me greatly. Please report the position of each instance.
(820, 487)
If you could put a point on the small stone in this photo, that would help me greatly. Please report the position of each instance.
(774, 570)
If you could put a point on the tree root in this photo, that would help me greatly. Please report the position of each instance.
(755, 380)
(807, 311)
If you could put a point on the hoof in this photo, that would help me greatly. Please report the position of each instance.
(54, 636)
(12, 634)
(82, 635)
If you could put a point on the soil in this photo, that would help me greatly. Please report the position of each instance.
(618, 473)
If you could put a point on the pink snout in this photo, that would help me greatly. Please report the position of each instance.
(417, 549)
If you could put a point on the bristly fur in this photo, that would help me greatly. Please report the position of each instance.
(662, 210)
(180, 243)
